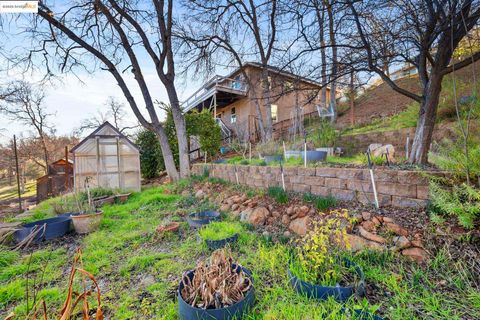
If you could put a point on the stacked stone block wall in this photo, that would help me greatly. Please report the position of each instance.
(398, 188)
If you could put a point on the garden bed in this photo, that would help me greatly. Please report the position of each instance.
(138, 272)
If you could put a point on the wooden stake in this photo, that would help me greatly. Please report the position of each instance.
(249, 151)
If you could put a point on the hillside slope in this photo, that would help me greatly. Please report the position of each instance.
(382, 101)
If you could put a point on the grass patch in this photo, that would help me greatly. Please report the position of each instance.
(220, 230)
(277, 193)
(320, 202)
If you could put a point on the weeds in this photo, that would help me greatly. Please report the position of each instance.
(277, 193)
(320, 202)
(220, 230)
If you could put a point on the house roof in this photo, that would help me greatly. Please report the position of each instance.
(95, 134)
(277, 70)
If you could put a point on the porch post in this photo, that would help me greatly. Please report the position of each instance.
(215, 106)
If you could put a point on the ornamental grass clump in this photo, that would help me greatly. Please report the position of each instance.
(216, 283)
(220, 230)
(319, 255)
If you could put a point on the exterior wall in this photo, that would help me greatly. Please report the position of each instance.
(398, 188)
(285, 100)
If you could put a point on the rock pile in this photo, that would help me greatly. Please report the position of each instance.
(372, 232)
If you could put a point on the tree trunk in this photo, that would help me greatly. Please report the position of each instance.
(333, 76)
(352, 100)
(181, 130)
(426, 120)
(268, 107)
(167, 153)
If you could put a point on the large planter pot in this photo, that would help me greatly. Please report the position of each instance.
(274, 158)
(235, 311)
(320, 292)
(199, 219)
(293, 154)
(217, 244)
(86, 223)
(54, 228)
(329, 150)
(315, 156)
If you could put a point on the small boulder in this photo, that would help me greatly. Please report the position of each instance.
(285, 220)
(199, 194)
(276, 214)
(290, 211)
(245, 214)
(375, 221)
(368, 225)
(258, 216)
(417, 254)
(398, 230)
(387, 220)
(358, 243)
(287, 234)
(401, 242)
(224, 207)
(370, 236)
(300, 225)
(235, 206)
(366, 215)
(417, 243)
(252, 204)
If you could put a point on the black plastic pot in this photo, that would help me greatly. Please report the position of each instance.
(199, 219)
(235, 311)
(320, 292)
(54, 228)
(217, 244)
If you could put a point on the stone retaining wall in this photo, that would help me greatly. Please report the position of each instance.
(398, 188)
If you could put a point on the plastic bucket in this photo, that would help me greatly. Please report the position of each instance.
(198, 219)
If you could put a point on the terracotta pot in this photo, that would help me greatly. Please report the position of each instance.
(171, 227)
(86, 223)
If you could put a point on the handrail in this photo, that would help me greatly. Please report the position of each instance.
(208, 89)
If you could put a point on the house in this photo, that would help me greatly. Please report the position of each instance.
(58, 180)
(106, 158)
(233, 100)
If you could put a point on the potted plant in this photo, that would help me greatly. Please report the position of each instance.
(88, 217)
(218, 234)
(320, 267)
(199, 219)
(122, 198)
(270, 151)
(216, 289)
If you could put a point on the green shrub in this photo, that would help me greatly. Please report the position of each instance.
(220, 230)
(324, 135)
(462, 201)
(320, 202)
(277, 193)
(151, 159)
(95, 193)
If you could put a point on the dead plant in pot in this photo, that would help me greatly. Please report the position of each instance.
(216, 288)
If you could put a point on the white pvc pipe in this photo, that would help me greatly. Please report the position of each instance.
(374, 189)
(283, 181)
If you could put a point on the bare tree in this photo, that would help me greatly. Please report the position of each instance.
(424, 34)
(112, 35)
(236, 32)
(25, 106)
(115, 113)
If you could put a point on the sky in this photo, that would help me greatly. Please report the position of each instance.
(72, 100)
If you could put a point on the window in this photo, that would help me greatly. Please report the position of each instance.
(274, 112)
(233, 116)
(236, 84)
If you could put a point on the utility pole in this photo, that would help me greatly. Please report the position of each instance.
(18, 173)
